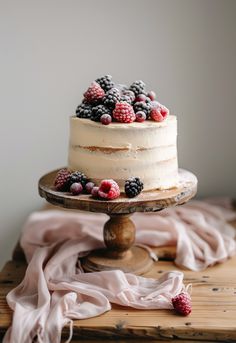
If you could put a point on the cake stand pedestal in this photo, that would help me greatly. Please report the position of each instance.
(119, 230)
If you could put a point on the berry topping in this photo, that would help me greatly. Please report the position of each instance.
(140, 116)
(137, 87)
(182, 303)
(109, 190)
(106, 119)
(78, 177)
(140, 97)
(144, 107)
(151, 95)
(94, 192)
(111, 98)
(61, 180)
(98, 111)
(76, 188)
(133, 186)
(84, 111)
(159, 113)
(89, 186)
(94, 93)
(105, 82)
(124, 112)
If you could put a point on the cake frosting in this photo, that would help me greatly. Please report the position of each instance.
(118, 151)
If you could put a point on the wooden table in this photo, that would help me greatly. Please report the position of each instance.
(213, 317)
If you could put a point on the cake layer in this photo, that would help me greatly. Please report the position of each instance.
(119, 151)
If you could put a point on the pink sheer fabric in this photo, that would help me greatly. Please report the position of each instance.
(55, 290)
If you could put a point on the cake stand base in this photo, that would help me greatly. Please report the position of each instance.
(136, 260)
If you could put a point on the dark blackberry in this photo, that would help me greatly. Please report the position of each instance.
(84, 111)
(77, 177)
(98, 111)
(111, 98)
(105, 82)
(138, 87)
(133, 186)
(126, 98)
(129, 93)
(144, 107)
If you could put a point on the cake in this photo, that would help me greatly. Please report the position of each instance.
(121, 139)
(120, 150)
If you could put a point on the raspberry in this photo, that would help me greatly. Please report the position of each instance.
(94, 93)
(182, 303)
(77, 177)
(105, 82)
(89, 186)
(124, 112)
(140, 116)
(109, 190)
(137, 87)
(76, 188)
(61, 180)
(98, 111)
(111, 98)
(151, 95)
(84, 111)
(133, 186)
(159, 113)
(106, 119)
(143, 106)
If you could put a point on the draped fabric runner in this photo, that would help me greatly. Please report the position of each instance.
(55, 290)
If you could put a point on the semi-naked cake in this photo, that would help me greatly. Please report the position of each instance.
(119, 150)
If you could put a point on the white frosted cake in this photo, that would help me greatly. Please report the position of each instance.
(118, 151)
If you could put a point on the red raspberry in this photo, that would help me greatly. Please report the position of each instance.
(159, 113)
(94, 93)
(109, 190)
(182, 303)
(124, 112)
(61, 180)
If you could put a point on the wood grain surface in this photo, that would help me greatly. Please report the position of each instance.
(150, 201)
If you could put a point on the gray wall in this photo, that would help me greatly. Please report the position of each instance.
(51, 51)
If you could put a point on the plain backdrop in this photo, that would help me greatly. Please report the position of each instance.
(50, 51)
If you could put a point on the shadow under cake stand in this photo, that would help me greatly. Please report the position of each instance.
(119, 230)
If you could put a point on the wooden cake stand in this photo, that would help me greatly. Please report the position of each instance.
(119, 230)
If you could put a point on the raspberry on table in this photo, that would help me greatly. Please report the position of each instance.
(108, 189)
(77, 177)
(98, 111)
(61, 180)
(138, 87)
(143, 106)
(105, 82)
(159, 113)
(133, 186)
(84, 111)
(94, 93)
(182, 303)
(111, 98)
(124, 112)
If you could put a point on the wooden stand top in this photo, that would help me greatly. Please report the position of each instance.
(149, 201)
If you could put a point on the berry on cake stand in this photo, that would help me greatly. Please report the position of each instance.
(119, 231)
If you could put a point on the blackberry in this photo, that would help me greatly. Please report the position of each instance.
(126, 98)
(77, 177)
(105, 82)
(138, 87)
(143, 106)
(133, 186)
(98, 111)
(84, 111)
(129, 93)
(111, 98)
